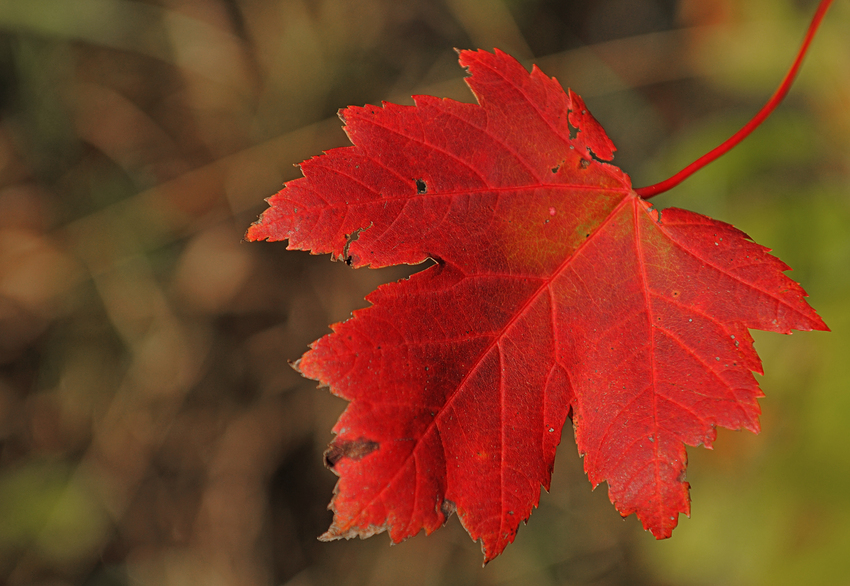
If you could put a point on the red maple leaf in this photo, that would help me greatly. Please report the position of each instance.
(556, 290)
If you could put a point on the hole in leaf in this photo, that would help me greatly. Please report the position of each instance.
(421, 187)
(347, 258)
(573, 130)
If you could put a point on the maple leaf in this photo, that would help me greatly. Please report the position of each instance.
(556, 290)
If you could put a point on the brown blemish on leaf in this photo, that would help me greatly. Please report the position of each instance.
(353, 450)
(448, 508)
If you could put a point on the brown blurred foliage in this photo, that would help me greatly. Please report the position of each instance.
(151, 428)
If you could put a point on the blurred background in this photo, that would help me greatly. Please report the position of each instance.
(151, 429)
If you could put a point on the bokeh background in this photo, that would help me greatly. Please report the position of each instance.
(151, 429)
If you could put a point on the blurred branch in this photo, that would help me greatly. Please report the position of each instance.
(126, 25)
(236, 180)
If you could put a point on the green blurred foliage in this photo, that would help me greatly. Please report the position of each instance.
(776, 510)
(151, 430)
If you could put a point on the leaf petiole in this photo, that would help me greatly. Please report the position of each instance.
(653, 190)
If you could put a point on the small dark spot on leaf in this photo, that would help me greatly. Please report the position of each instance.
(353, 450)
(421, 187)
(555, 168)
(675, 293)
(584, 163)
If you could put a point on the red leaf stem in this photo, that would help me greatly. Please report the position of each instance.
(731, 142)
